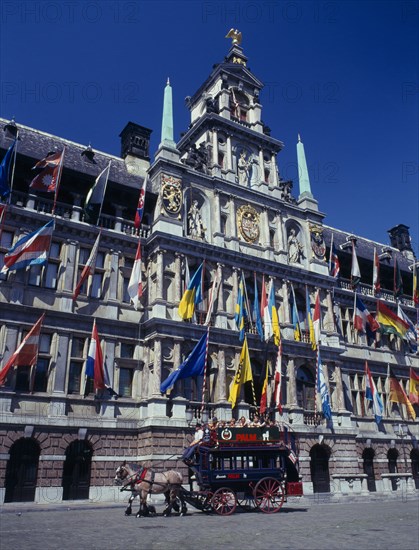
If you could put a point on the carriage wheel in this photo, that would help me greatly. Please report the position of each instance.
(224, 501)
(246, 502)
(269, 495)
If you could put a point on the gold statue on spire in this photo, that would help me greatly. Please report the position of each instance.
(235, 35)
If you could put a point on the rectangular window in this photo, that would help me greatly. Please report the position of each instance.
(22, 378)
(5, 244)
(76, 366)
(41, 375)
(126, 377)
(127, 351)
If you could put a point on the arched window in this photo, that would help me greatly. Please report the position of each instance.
(392, 457)
(22, 471)
(305, 389)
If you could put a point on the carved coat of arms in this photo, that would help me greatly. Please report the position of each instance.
(248, 223)
(318, 246)
(171, 195)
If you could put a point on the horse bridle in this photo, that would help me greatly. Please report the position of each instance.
(137, 477)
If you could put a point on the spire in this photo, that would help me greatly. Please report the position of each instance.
(305, 189)
(167, 121)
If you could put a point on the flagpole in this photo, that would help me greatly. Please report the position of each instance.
(204, 381)
(104, 192)
(13, 166)
(247, 303)
(60, 171)
(330, 253)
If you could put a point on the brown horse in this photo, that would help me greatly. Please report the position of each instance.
(143, 481)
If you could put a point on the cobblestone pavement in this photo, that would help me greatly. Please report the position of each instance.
(313, 526)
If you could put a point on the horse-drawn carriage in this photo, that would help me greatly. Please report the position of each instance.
(255, 468)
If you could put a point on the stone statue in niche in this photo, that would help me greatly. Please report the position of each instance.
(295, 248)
(196, 228)
(197, 158)
(243, 168)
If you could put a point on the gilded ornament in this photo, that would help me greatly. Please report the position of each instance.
(318, 246)
(171, 194)
(248, 223)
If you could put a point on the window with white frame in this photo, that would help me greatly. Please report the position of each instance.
(6, 243)
(47, 275)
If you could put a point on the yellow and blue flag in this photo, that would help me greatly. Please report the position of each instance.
(274, 314)
(192, 295)
(241, 314)
(310, 325)
(256, 312)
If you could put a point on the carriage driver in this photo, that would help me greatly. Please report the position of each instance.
(189, 452)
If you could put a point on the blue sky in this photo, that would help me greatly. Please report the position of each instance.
(343, 74)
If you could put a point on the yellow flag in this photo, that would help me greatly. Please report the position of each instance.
(243, 374)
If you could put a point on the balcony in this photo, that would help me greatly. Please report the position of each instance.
(367, 290)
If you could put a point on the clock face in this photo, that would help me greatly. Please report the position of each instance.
(248, 223)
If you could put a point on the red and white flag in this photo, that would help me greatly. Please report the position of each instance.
(89, 267)
(140, 207)
(278, 378)
(355, 272)
(135, 285)
(263, 299)
(316, 318)
(27, 353)
(376, 274)
(48, 179)
(94, 364)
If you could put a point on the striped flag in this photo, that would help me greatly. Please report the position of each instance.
(376, 274)
(241, 311)
(94, 364)
(316, 319)
(140, 207)
(278, 378)
(27, 352)
(89, 267)
(273, 312)
(322, 389)
(31, 249)
(372, 395)
(135, 284)
(310, 325)
(48, 179)
(192, 295)
(390, 323)
(415, 286)
(355, 272)
(334, 264)
(413, 387)
(95, 197)
(257, 318)
(411, 335)
(398, 395)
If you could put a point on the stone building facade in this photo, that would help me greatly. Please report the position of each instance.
(216, 195)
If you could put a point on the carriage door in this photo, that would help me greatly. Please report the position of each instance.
(368, 457)
(76, 472)
(392, 457)
(319, 467)
(22, 471)
(414, 457)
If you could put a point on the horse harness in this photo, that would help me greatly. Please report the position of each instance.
(139, 476)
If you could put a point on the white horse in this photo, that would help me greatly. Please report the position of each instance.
(143, 481)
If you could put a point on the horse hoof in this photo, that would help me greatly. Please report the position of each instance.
(138, 515)
(127, 513)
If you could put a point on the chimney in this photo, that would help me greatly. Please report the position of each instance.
(400, 238)
(135, 141)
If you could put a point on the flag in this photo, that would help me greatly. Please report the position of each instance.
(310, 326)
(48, 179)
(94, 199)
(295, 318)
(241, 311)
(278, 379)
(264, 394)
(193, 365)
(273, 313)
(334, 264)
(372, 395)
(94, 363)
(266, 315)
(263, 299)
(257, 318)
(6, 172)
(135, 284)
(398, 395)
(398, 281)
(376, 274)
(411, 335)
(322, 389)
(362, 318)
(213, 295)
(413, 387)
(192, 295)
(415, 286)
(140, 207)
(389, 322)
(88, 269)
(32, 249)
(27, 352)
(243, 374)
(355, 272)
(317, 318)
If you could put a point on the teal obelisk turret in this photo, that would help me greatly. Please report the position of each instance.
(167, 120)
(303, 178)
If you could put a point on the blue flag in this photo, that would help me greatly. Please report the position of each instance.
(6, 172)
(193, 365)
(323, 390)
(256, 313)
(241, 310)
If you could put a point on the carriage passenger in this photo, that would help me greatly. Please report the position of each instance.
(257, 422)
(242, 423)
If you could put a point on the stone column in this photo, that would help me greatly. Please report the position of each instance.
(77, 209)
(261, 165)
(215, 212)
(160, 275)
(285, 303)
(222, 376)
(292, 384)
(232, 216)
(274, 173)
(339, 389)
(264, 225)
(235, 286)
(113, 275)
(61, 364)
(214, 147)
(280, 233)
(157, 364)
(329, 320)
(70, 271)
(178, 276)
(118, 218)
(229, 153)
